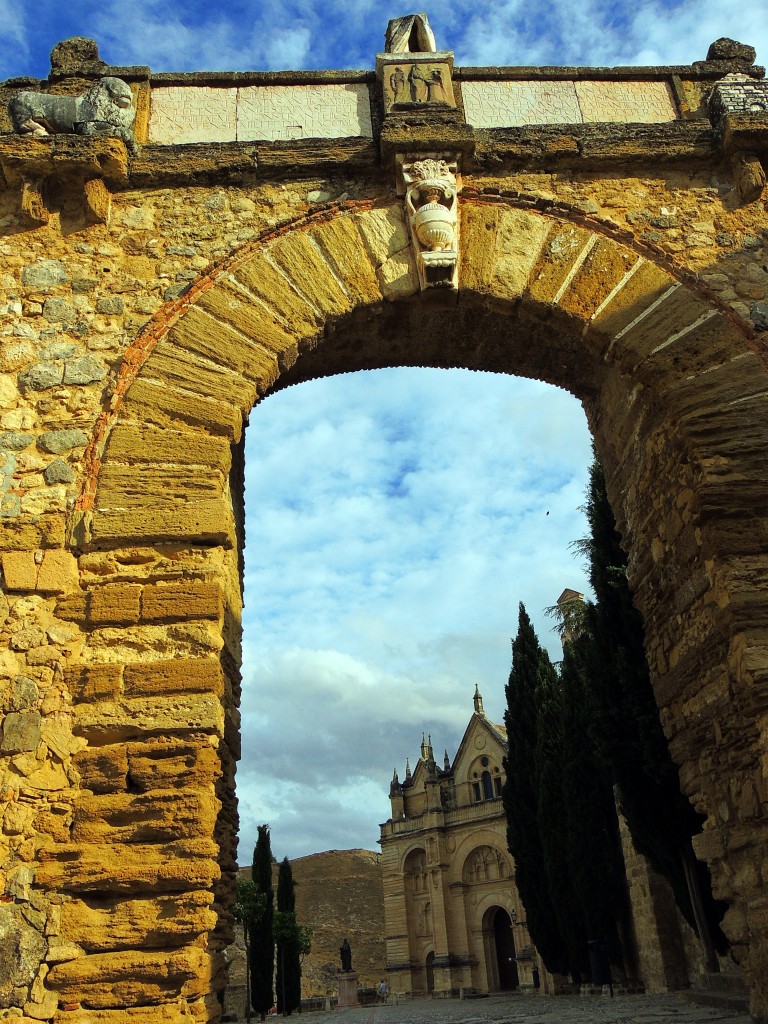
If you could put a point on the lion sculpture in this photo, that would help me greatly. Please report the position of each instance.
(105, 109)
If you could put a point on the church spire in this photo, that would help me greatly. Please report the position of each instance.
(407, 769)
(446, 761)
(478, 700)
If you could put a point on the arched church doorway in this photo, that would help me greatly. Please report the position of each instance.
(430, 971)
(499, 950)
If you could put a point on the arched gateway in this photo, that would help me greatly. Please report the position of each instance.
(123, 499)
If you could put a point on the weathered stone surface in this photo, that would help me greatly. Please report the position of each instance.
(58, 472)
(21, 731)
(19, 570)
(208, 522)
(58, 441)
(157, 922)
(177, 675)
(84, 370)
(21, 950)
(124, 978)
(44, 275)
(182, 866)
(112, 721)
(153, 817)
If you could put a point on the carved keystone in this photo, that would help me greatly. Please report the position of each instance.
(431, 205)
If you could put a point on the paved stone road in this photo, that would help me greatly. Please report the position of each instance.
(521, 1009)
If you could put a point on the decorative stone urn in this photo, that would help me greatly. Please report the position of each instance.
(431, 206)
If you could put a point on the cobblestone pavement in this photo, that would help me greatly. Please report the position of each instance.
(521, 1009)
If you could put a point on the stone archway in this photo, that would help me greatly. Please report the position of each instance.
(675, 395)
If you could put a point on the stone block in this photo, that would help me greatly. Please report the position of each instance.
(113, 721)
(21, 731)
(57, 573)
(165, 762)
(179, 368)
(121, 486)
(384, 233)
(56, 441)
(114, 603)
(342, 245)
(153, 402)
(94, 682)
(153, 922)
(604, 268)
(183, 866)
(184, 114)
(279, 295)
(223, 343)
(73, 607)
(205, 522)
(133, 442)
(21, 950)
(509, 104)
(84, 370)
(563, 247)
(126, 977)
(277, 112)
(626, 102)
(153, 817)
(19, 570)
(103, 769)
(252, 318)
(176, 675)
(303, 263)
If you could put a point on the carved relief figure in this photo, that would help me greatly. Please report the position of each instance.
(397, 85)
(418, 80)
(105, 109)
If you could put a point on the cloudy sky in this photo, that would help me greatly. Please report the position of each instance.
(401, 515)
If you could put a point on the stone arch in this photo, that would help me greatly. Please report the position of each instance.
(675, 392)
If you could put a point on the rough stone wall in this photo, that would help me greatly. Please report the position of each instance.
(120, 680)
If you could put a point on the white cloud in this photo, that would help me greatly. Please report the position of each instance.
(395, 520)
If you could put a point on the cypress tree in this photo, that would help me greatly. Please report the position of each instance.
(262, 945)
(551, 813)
(288, 954)
(660, 818)
(520, 795)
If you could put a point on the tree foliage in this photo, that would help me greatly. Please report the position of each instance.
(529, 664)
(262, 943)
(660, 818)
(290, 939)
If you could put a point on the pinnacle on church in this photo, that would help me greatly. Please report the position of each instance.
(478, 701)
(407, 769)
(446, 761)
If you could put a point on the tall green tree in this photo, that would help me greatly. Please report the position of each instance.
(248, 908)
(660, 818)
(520, 795)
(262, 943)
(287, 941)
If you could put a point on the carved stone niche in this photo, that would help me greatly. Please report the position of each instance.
(430, 184)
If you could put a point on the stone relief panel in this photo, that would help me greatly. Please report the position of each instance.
(632, 102)
(279, 112)
(185, 114)
(509, 104)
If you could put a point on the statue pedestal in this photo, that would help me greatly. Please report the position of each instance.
(348, 988)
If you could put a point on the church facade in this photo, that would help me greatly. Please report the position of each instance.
(454, 919)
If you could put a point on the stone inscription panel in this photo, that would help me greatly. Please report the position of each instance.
(182, 114)
(509, 104)
(630, 102)
(185, 114)
(278, 112)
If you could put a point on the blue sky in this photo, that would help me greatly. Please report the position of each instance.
(394, 519)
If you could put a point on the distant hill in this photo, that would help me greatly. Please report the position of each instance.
(339, 894)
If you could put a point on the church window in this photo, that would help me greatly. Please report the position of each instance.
(487, 786)
(476, 791)
(497, 785)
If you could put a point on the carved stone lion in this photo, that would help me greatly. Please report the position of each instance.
(105, 109)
